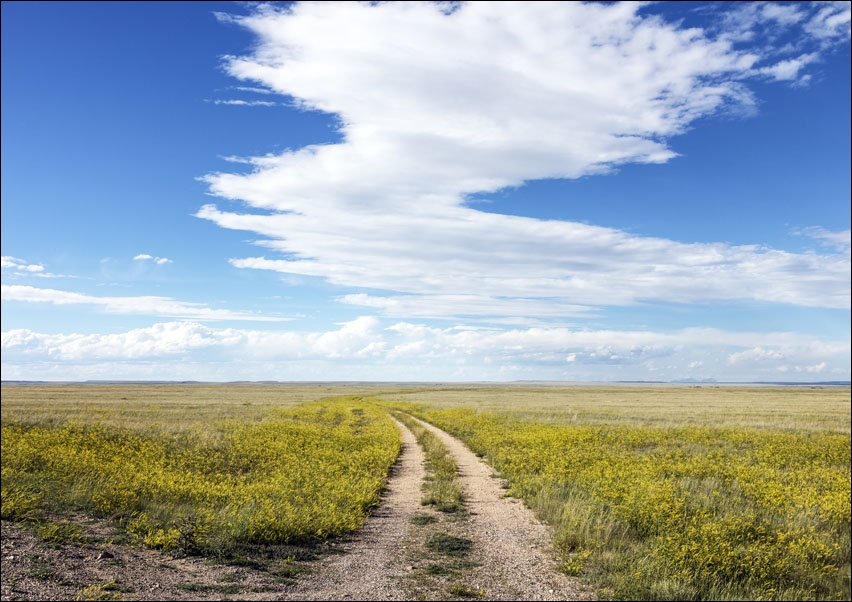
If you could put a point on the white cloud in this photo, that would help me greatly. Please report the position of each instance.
(756, 354)
(560, 264)
(246, 103)
(831, 22)
(157, 260)
(254, 89)
(783, 14)
(788, 70)
(817, 25)
(144, 305)
(157, 341)
(434, 107)
(363, 349)
(841, 240)
(809, 30)
(746, 21)
(20, 265)
(441, 306)
(354, 339)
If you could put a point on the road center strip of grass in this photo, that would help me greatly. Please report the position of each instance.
(442, 487)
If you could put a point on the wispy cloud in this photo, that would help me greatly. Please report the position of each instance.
(830, 22)
(442, 306)
(157, 260)
(789, 69)
(437, 105)
(561, 263)
(253, 89)
(841, 241)
(21, 267)
(143, 305)
(245, 103)
(807, 29)
(363, 349)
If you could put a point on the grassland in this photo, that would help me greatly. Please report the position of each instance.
(653, 492)
(673, 493)
(168, 408)
(209, 478)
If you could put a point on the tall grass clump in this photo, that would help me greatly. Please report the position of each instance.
(292, 476)
(684, 513)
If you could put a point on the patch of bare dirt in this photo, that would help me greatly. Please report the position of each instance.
(33, 570)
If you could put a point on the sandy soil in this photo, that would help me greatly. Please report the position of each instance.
(510, 556)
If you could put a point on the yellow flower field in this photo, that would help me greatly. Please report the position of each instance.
(663, 493)
(680, 512)
(294, 475)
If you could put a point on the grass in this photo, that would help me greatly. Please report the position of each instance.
(60, 533)
(288, 570)
(447, 556)
(211, 588)
(821, 409)
(298, 474)
(448, 545)
(230, 578)
(421, 520)
(463, 591)
(43, 569)
(101, 591)
(167, 408)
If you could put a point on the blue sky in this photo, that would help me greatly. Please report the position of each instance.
(415, 191)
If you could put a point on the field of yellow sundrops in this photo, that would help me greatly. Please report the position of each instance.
(748, 501)
(653, 493)
(299, 473)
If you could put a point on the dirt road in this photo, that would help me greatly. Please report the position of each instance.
(499, 551)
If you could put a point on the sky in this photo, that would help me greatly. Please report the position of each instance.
(415, 191)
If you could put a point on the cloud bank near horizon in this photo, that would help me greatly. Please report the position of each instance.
(363, 349)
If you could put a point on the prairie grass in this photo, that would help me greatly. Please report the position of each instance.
(157, 408)
(778, 408)
(683, 501)
(448, 545)
(226, 476)
(670, 492)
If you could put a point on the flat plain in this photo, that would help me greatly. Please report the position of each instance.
(647, 492)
